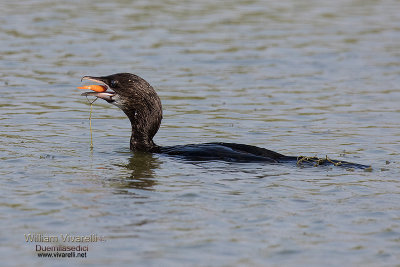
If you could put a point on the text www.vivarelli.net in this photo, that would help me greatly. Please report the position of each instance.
(61, 255)
(62, 251)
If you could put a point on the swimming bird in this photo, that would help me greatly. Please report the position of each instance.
(141, 104)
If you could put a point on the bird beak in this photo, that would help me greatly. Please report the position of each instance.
(107, 95)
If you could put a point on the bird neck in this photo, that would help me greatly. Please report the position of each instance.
(141, 142)
(143, 131)
(145, 115)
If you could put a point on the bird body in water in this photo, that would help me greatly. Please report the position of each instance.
(141, 104)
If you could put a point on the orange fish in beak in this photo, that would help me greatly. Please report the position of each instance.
(94, 87)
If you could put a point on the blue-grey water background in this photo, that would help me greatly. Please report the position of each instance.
(298, 77)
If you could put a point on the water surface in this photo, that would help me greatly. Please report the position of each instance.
(298, 77)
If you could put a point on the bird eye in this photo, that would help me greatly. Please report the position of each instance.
(114, 83)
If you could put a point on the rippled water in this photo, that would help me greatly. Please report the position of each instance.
(299, 77)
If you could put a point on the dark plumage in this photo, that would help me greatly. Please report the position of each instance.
(139, 101)
(141, 104)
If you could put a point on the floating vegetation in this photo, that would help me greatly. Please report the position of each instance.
(90, 120)
(315, 161)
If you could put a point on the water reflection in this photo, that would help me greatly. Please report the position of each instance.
(142, 165)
